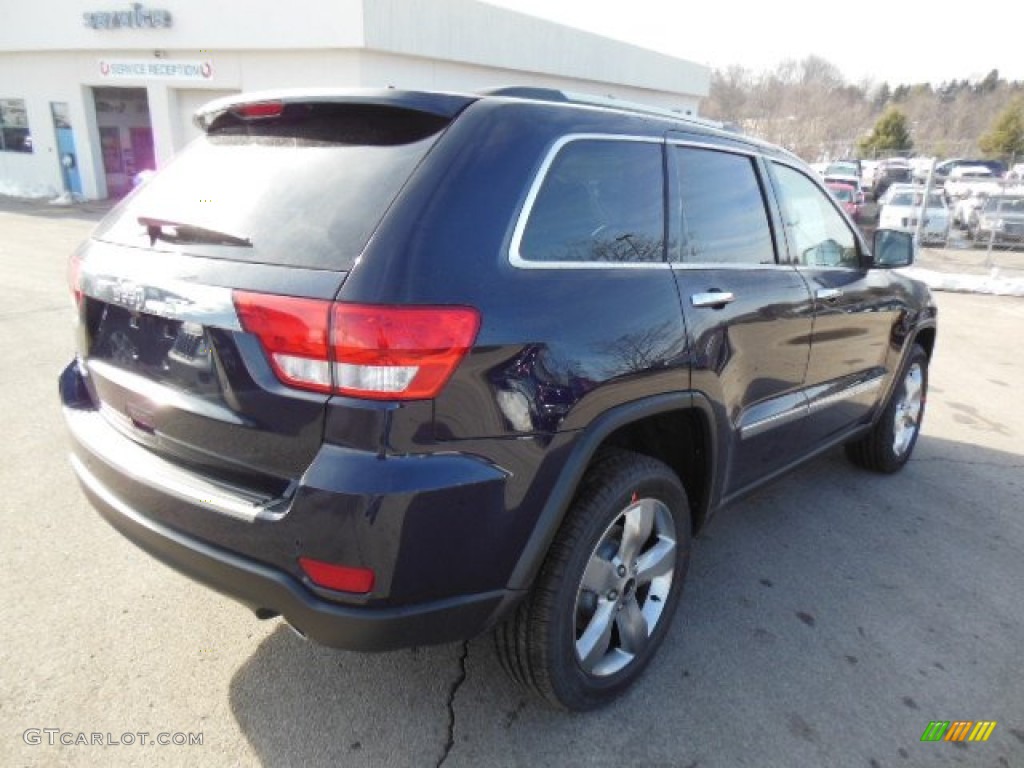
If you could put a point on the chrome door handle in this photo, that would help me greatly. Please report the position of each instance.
(828, 294)
(712, 299)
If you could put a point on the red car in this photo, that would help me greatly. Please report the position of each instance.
(847, 196)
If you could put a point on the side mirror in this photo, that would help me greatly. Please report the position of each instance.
(893, 249)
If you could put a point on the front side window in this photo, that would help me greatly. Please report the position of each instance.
(818, 234)
(14, 134)
(724, 220)
(600, 201)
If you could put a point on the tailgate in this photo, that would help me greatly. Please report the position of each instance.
(169, 365)
(255, 225)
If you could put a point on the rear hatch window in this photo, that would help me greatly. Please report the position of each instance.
(303, 188)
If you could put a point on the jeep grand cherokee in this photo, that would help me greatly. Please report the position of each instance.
(404, 367)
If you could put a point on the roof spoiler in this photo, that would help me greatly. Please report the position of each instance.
(446, 105)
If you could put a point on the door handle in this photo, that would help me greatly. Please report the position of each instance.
(828, 294)
(716, 299)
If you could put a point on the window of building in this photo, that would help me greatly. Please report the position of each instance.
(818, 233)
(14, 134)
(601, 201)
(724, 220)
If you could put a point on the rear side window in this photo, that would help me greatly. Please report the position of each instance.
(600, 201)
(724, 220)
(304, 189)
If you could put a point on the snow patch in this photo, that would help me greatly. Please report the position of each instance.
(993, 283)
(14, 189)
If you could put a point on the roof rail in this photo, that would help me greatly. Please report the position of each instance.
(609, 102)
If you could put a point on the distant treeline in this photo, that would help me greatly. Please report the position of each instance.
(808, 107)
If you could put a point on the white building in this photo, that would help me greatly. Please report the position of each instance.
(94, 91)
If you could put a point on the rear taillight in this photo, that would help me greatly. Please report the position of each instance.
(294, 335)
(407, 353)
(360, 350)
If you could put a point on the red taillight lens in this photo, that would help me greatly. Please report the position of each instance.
(343, 578)
(259, 110)
(405, 353)
(293, 333)
(360, 350)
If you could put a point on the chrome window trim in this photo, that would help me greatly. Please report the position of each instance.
(516, 259)
(725, 266)
(680, 142)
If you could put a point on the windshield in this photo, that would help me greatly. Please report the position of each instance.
(302, 190)
(842, 169)
(842, 194)
(913, 200)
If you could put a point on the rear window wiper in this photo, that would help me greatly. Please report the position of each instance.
(179, 232)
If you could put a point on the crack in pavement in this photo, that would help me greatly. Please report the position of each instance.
(456, 684)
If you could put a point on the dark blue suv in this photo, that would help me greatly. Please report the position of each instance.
(404, 367)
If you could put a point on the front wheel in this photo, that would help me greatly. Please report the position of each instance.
(887, 447)
(605, 596)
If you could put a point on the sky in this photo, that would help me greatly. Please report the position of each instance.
(879, 40)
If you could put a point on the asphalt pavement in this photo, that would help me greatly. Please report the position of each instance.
(826, 620)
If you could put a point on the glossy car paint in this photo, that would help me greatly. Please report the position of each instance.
(452, 502)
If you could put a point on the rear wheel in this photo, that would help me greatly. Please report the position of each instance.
(608, 589)
(887, 447)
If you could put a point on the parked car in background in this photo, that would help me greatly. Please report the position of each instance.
(889, 172)
(963, 208)
(919, 168)
(966, 180)
(902, 208)
(844, 168)
(867, 173)
(848, 180)
(1000, 221)
(848, 196)
(944, 170)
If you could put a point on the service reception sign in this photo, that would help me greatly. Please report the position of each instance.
(155, 69)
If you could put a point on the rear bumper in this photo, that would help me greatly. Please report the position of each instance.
(268, 591)
(430, 589)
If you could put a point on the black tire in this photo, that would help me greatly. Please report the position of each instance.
(887, 447)
(539, 645)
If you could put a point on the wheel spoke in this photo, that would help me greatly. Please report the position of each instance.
(913, 413)
(908, 411)
(632, 626)
(656, 561)
(639, 522)
(912, 386)
(593, 643)
(599, 576)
